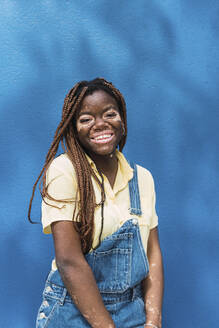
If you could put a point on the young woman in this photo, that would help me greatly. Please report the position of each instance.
(100, 210)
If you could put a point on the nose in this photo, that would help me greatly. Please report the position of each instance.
(99, 124)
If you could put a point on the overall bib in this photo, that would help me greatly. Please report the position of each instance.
(119, 264)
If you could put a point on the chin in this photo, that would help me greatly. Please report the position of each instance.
(103, 152)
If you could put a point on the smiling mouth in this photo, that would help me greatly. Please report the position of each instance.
(104, 138)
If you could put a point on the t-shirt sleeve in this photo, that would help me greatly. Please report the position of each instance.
(61, 186)
(154, 217)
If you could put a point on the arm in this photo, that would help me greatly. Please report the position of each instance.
(153, 283)
(78, 276)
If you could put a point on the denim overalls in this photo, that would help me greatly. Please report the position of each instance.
(119, 265)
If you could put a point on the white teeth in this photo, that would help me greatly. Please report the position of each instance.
(103, 136)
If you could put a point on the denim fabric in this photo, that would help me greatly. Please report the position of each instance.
(135, 204)
(119, 265)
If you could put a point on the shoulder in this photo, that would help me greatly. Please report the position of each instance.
(61, 165)
(143, 171)
(62, 161)
(145, 176)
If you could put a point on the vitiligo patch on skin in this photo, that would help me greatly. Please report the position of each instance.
(87, 121)
(150, 278)
(155, 322)
(154, 310)
(75, 299)
(153, 265)
(148, 302)
(154, 314)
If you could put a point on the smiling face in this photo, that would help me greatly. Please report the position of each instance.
(99, 124)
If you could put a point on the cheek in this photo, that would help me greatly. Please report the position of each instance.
(120, 124)
(79, 127)
(117, 121)
(117, 118)
(83, 127)
(80, 132)
(119, 128)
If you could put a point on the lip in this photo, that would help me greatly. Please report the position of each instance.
(98, 134)
(109, 136)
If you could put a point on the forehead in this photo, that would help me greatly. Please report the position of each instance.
(98, 99)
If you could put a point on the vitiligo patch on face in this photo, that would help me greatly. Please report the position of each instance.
(89, 120)
(87, 124)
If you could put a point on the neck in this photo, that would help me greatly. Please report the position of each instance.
(105, 164)
(108, 165)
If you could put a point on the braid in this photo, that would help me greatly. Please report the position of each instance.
(65, 133)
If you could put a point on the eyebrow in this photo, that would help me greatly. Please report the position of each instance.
(104, 110)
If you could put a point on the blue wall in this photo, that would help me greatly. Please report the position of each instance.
(163, 56)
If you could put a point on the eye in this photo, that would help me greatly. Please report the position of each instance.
(85, 119)
(111, 114)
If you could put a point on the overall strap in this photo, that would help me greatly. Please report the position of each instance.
(135, 203)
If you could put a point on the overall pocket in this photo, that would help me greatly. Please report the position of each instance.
(112, 263)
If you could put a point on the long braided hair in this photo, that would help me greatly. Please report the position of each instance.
(66, 134)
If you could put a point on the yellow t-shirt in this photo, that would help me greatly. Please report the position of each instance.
(62, 181)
